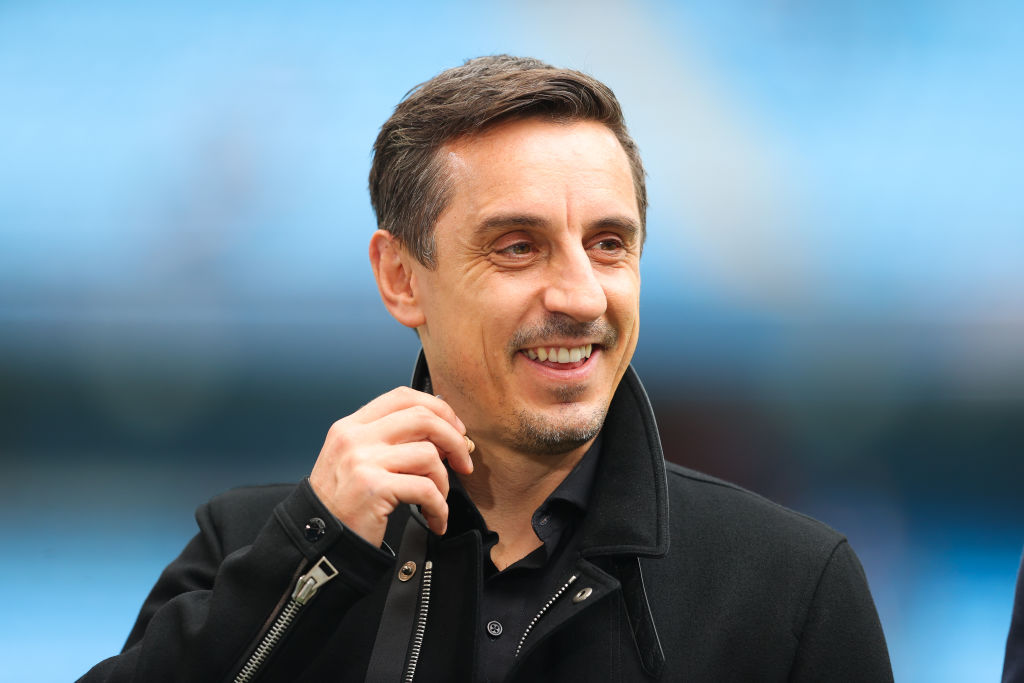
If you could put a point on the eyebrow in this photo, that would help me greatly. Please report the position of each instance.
(624, 224)
(627, 226)
(510, 220)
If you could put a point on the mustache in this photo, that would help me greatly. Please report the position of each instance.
(561, 325)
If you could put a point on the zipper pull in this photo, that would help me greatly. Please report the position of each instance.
(310, 582)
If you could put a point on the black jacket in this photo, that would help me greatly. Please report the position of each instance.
(682, 577)
(1013, 664)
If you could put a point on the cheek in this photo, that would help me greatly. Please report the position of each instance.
(623, 295)
(624, 306)
(476, 333)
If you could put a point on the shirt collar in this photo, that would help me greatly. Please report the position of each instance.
(575, 488)
(572, 492)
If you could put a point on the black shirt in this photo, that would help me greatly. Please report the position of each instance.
(513, 597)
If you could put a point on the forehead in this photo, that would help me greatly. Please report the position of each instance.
(574, 167)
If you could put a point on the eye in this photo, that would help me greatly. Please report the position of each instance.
(608, 249)
(610, 244)
(517, 249)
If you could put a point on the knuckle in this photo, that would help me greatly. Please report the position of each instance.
(350, 438)
(337, 429)
(427, 489)
(364, 477)
(426, 449)
(421, 412)
(399, 392)
(343, 439)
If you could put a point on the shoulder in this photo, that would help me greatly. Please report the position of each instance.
(697, 494)
(786, 586)
(746, 558)
(724, 531)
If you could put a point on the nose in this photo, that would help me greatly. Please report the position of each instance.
(573, 287)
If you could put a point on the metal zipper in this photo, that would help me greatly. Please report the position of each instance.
(306, 587)
(421, 623)
(542, 612)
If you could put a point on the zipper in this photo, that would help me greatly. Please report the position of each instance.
(421, 623)
(543, 611)
(306, 587)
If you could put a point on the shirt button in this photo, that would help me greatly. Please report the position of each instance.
(544, 520)
(493, 628)
(314, 530)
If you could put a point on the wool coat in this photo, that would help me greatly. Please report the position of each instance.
(680, 577)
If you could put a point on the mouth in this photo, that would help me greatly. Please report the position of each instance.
(555, 356)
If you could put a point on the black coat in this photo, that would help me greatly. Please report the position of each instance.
(1013, 665)
(689, 578)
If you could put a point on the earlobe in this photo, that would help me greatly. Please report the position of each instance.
(396, 281)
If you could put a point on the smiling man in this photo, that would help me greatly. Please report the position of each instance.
(511, 516)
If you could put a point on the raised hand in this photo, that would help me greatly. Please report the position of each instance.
(388, 452)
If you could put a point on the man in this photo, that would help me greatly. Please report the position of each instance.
(511, 206)
(1013, 663)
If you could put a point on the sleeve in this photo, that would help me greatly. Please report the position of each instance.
(842, 637)
(211, 605)
(1013, 664)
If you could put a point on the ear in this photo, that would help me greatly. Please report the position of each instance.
(392, 268)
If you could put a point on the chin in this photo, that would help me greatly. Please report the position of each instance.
(555, 435)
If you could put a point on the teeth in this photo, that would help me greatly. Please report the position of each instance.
(560, 354)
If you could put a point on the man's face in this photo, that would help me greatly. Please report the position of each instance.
(532, 312)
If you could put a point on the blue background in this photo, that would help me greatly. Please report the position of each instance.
(833, 293)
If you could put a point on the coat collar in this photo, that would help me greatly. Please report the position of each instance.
(629, 503)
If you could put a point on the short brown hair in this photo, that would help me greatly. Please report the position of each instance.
(409, 183)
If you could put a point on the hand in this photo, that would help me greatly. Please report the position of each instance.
(390, 451)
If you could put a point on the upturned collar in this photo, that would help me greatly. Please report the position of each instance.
(628, 511)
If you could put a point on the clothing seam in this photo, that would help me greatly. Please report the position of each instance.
(814, 594)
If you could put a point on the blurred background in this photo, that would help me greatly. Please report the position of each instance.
(833, 293)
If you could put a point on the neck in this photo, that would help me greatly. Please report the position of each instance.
(507, 487)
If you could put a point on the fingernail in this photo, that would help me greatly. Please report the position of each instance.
(469, 444)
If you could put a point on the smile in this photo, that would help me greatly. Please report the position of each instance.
(560, 354)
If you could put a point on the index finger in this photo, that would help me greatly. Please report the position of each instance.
(418, 423)
(405, 397)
